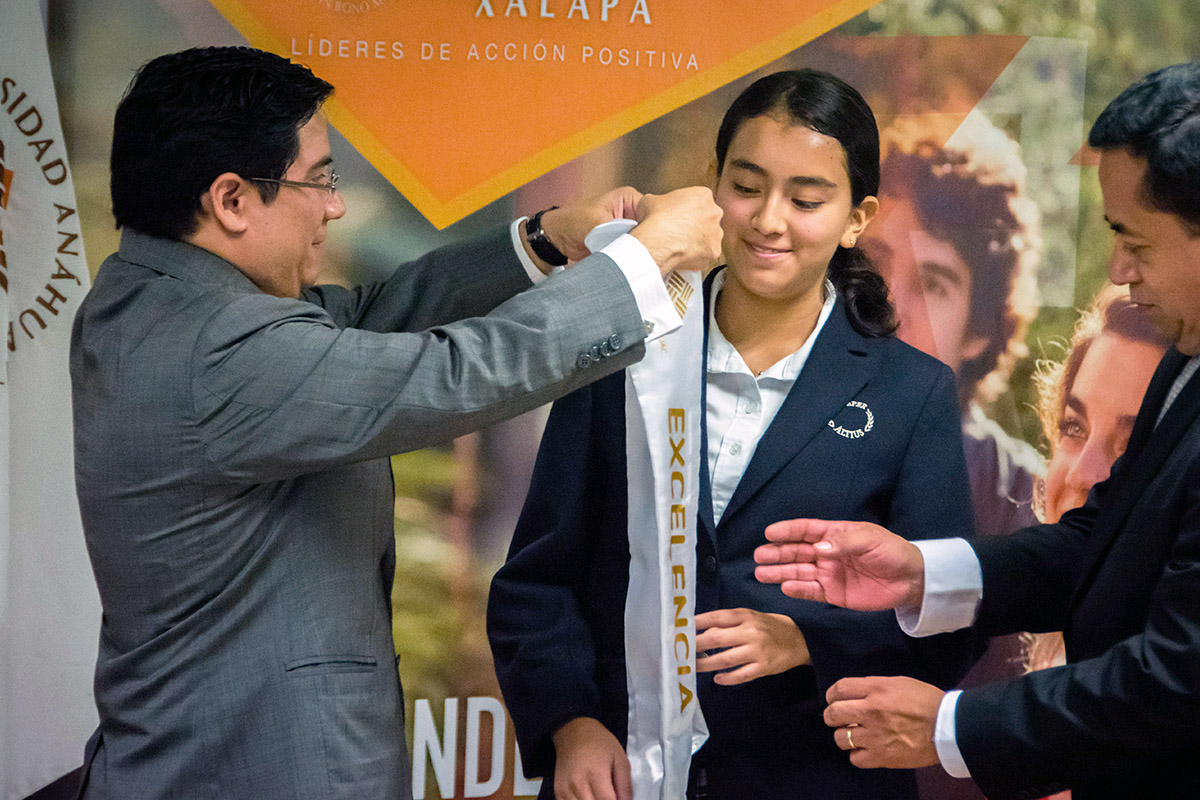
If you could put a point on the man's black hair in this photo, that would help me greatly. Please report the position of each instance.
(188, 117)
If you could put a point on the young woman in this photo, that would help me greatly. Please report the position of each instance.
(812, 409)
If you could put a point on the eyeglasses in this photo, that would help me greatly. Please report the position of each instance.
(330, 187)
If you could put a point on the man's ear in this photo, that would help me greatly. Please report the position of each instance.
(228, 200)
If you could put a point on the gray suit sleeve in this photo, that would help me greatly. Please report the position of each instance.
(461, 280)
(280, 390)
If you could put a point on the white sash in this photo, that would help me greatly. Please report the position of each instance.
(662, 450)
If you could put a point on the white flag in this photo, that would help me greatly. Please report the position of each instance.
(49, 609)
(662, 453)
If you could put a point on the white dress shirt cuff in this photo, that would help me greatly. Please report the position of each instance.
(659, 316)
(953, 588)
(518, 243)
(944, 737)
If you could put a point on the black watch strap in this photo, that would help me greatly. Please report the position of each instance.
(540, 242)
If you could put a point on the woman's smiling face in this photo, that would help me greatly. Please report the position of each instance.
(785, 193)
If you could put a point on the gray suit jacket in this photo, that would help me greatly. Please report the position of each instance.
(231, 466)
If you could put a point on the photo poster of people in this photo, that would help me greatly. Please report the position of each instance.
(450, 117)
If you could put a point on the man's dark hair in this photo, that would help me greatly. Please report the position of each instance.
(190, 116)
(1158, 119)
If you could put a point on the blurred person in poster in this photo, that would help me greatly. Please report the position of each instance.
(958, 244)
(1087, 403)
(233, 422)
(1119, 575)
(810, 405)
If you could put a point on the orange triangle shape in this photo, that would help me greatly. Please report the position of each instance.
(459, 103)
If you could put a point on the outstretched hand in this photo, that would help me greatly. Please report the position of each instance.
(856, 565)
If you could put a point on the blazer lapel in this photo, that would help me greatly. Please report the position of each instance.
(1148, 449)
(837, 368)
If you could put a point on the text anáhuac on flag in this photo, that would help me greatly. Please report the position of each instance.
(458, 102)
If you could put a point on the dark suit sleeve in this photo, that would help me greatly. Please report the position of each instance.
(1028, 577)
(1137, 702)
(566, 569)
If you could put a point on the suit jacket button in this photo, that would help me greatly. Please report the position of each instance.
(710, 564)
(584, 361)
(614, 342)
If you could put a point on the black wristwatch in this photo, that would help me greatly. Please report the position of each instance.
(540, 243)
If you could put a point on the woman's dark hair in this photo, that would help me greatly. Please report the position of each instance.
(188, 117)
(831, 107)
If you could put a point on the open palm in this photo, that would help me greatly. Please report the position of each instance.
(851, 564)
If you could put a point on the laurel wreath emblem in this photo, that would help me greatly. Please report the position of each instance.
(855, 433)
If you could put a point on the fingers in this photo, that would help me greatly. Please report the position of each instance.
(622, 203)
(786, 553)
(721, 618)
(851, 689)
(802, 530)
(622, 779)
(804, 590)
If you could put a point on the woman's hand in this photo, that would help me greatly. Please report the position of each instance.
(589, 763)
(751, 644)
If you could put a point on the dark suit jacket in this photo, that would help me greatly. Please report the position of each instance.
(1121, 577)
(556, 611)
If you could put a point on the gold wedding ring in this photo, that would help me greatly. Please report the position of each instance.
(850, 739)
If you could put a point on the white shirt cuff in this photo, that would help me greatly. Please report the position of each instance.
(535, 274)
(659, 316)
(953, 588)
(944, 737)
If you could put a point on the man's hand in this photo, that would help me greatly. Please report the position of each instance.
(566, 227)
(752, 644)
(681, 229)
(884, 722)
(852, 564)
(589, 763)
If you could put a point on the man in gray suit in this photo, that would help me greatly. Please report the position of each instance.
(233, 423)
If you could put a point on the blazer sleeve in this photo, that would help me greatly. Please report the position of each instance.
(566, 568)
(280, 390)
(1133, 705)
(932, 500)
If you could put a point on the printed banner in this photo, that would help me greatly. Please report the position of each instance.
(458, 103)
(662, 451)
(49, 609)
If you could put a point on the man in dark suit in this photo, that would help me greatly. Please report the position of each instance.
(233, 422)
(1120, 575)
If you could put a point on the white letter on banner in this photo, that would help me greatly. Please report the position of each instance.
(441, 756)
(522, 786)
(476, 707)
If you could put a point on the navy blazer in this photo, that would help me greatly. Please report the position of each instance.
(556, 609)
(1121, 577)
